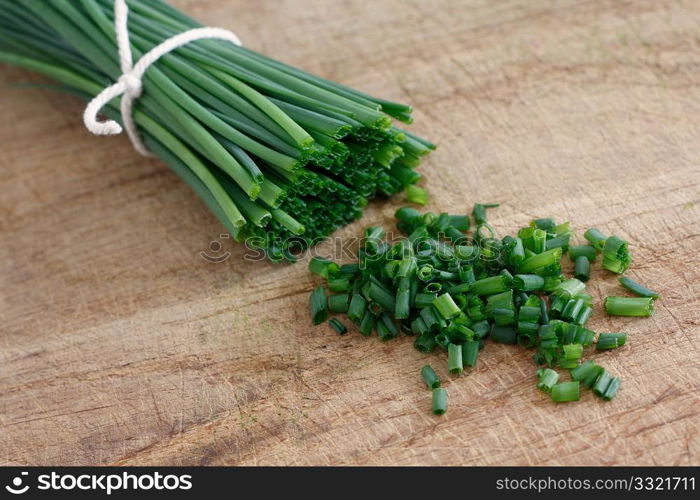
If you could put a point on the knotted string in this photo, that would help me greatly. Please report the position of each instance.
(129, 85)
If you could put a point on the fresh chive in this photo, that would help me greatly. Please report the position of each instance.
(416, 195)
(616, 257)
(606, 386)
(439, 401)
(629, 306)
(339, 284)
(357, 308)
(540, 261)
(479, 212)
(572, 351)
(425, 342)
(339, 303)
(490, 285)
(470, 352)
(432, 381)
(636, 288)
(528, 282)
(570, 288)
(582, 268)
(382, 296)
(319, 308)
(337, 326)
(446, 306)
(595, 238)
(547, 378)
(504, 334)
(454, 358)
(367, 324)
(608, 341)
(587, 251)
(565, 392)
(323, 267)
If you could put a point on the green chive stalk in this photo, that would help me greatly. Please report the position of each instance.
(281, 157)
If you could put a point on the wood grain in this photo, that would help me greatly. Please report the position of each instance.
(121, 345)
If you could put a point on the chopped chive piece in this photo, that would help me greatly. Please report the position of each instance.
(587, 373)
(386, 329)
(339, 284)
(430, 377)
(339, 327)
(418, 326)
(539, 238)
(544, 312)
(424, 299)
(439, 401)
(442, 340)
(350, 269)
(587, 251)
(319, 308)
(547, 378)
(446, 306)
(425, 272)
(408, 215)
(382, 296)
(616, 257)
(582, 268)
(323, 267)
(584, 315)
(470, 352)
(357, 308)
(636, 288)
(433, 287)
(460, 222)
(595, 237)
(629, 306)
(565, 392)
(425, 342)
(539, 261)
(504, 334)
(459, 333)
(491, 285)
(479, 212)
(454, 358)
(417, 195)
(608, 341)
(339, 303)
(547, 224)
(572, 351)
(528, 282)
(570, 288)
(367, 323)
(561, 241)
(461, 288)
(606, 386)
(611, 389)
(373, 238)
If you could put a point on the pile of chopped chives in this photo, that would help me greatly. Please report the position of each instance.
(281, 157)
(453, 289)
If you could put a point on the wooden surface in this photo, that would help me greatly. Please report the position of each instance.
(120, 344)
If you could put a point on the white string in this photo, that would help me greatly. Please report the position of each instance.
(129, 85)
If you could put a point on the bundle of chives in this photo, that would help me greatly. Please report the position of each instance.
(455, 291)
(281, 157)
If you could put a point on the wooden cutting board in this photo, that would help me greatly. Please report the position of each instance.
(121, 344)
